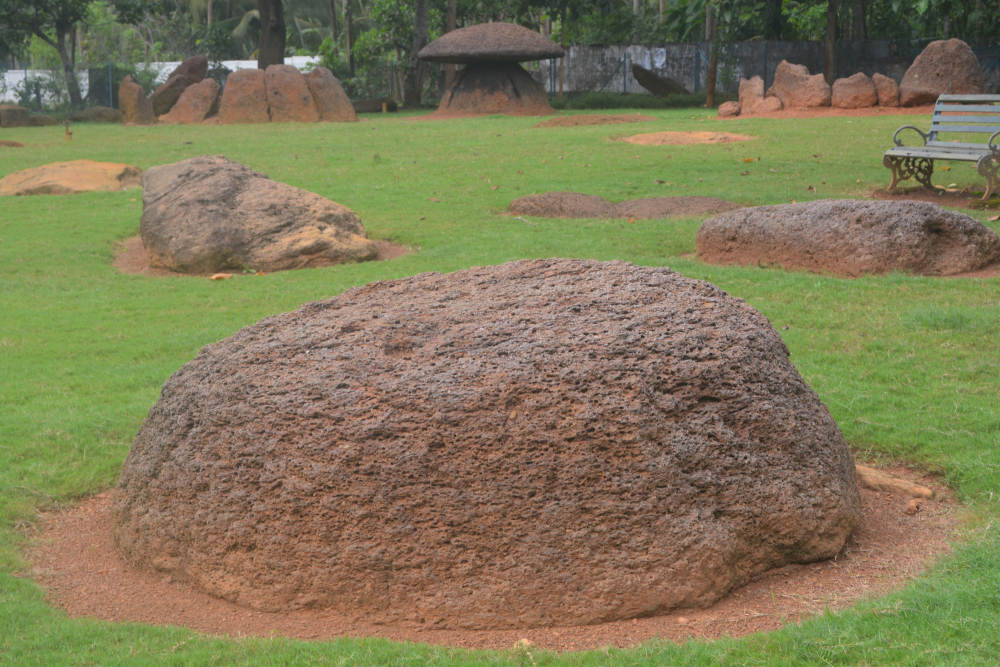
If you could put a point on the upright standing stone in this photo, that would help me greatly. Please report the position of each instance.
(794, 86)
(331, 100)
(887, 90)
(854, 92)
(244, 100)
(196, 103)
(288, 95)
(188, 73)
(136, 108)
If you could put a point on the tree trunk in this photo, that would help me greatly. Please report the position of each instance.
(663, 10)
(72, 85)
(858, 19)
(272, 33)
(562, 38)
(452, 19)
(414, 77)
(829, 67)
(208, 13)
(713, 59)
(947, 26)
(775, 23)
(637, 6)
(349, 21)
(334, 28)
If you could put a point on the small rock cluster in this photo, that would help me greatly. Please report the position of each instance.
(945, 66)
(279, 94)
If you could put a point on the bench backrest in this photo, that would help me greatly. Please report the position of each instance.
(971, 114)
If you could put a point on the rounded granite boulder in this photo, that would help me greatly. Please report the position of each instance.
(538, 443)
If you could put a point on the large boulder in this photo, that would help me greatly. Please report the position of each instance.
(244, 99)
(331, 100)
(887, 90)
(794, 86)
(944, 66)
(67, 178)
(288, 95)
(854, 92)
(188, 73)
(661, 86)
(543, 442)
(196, 103)
(729, 109)
(12, 115)
(135, 106)
(850, 238)
(97, 114)
(210, 214)
(752, 100)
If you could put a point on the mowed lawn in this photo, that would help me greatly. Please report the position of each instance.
(909, 366)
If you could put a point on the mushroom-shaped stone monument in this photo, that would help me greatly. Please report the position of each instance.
(492, 81)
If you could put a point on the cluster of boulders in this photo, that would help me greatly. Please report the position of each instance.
(281, 93)
(945, 66)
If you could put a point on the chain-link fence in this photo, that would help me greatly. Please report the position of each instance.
(584, 69)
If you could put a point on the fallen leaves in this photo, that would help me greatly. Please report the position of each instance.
(495, 187)
(220, 276)
(751, 159)
(994, 218)
(433, 199)
(745, 173)
(810, 189)
(945, 168)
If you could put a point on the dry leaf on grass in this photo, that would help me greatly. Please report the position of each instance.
(994, 218)
(220, 276)
(433, 199)
(745, 173)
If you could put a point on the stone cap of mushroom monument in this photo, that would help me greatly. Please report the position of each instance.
(492, 81)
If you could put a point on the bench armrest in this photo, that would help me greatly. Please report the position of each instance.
(896, 141)
(994, 147)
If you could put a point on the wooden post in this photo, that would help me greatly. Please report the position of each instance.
(829, 67)
(452, 20)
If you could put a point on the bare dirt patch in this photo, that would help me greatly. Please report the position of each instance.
(954, 199)
(4, 143)
(131, 257)
(595, 119)
(577, 205)
(74, 558)
(826, 112)
(685, 138)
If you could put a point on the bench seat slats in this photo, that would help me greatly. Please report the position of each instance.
(953, 144)
(966, 119)
(977, 108)
(947, 97)
(987, 129)
(936, 154)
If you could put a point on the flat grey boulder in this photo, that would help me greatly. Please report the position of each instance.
(210, 214)
(850, 238)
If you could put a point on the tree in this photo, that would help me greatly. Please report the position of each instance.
(829, 68)
(272, 33)
(51, 21)
(414, 76)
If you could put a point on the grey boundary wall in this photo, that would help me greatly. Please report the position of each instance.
(601, 68)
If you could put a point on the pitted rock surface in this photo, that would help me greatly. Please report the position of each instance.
(197, 102)
(854, 92)
(210, 214)
(244, 99)
(850, 238)
(944, 66)
(540, 442)
(288, 95)
(490, 42)
(188, 73)
(135, 106)
(887, 89)
(795, 87)
(331, 100)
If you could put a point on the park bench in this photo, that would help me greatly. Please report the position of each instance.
(953, 114)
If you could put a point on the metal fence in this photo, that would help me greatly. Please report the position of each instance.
(608, 68)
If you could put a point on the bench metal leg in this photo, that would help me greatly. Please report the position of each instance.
(905, 168)
(988, 166)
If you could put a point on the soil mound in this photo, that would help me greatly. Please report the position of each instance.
(97, 115)
(76, 561)
(68, 178)
(576, 205)
(595, 119)
(683, 138)
(211, 214)
(541, 442)
(850, 238)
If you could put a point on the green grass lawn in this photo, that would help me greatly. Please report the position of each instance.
(909, 366)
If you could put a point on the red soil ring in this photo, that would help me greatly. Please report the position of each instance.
(75, 559)
(685, 138)
(131, 257)
(595, 119)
